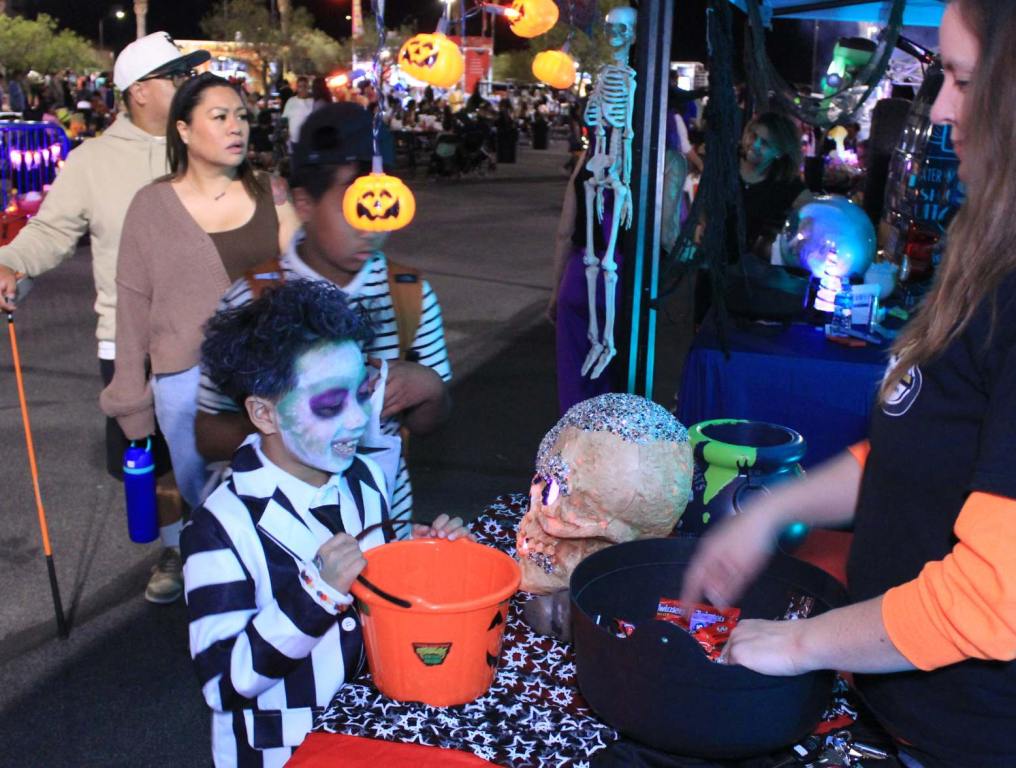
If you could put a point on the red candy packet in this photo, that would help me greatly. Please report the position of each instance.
(693, 616)
(708, 625)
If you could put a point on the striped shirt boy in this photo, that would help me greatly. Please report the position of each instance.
(368, 291)
(271, 641)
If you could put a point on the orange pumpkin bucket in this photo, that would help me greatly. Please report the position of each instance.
(433, 614)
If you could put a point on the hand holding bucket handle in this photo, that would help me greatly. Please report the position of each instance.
(450, 528)
(389, 527)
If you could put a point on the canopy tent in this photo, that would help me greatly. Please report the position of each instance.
(641, 271)
(918, 13)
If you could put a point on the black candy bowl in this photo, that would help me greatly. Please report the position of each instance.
(658, 687)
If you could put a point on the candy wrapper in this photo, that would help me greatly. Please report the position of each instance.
(694, 616)
(798, 607)
(623, 628)
(708, 625)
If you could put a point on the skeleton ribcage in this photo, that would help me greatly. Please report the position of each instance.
(608, 104)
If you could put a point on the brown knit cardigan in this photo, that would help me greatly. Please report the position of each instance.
(169, 281)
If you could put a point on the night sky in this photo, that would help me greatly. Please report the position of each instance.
(181, 18)
(790, 44)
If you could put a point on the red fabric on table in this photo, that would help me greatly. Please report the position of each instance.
(827, 550)
(327, 749)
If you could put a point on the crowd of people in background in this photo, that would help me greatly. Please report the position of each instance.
(84, 104)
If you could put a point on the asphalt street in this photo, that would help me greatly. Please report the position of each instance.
(120, 690)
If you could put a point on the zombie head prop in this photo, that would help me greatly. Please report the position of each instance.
(615, 468)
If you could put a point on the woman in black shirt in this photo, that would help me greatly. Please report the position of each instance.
(931, 631)
(771, 183)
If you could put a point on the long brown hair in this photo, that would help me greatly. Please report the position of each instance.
(186, 98)
(981, 244)
(785, 138)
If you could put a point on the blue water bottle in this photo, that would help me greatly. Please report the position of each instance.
(139, 489)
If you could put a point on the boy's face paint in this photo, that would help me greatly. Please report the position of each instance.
(323, 417)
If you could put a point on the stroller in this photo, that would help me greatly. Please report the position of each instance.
(444, 156)
(465, 149)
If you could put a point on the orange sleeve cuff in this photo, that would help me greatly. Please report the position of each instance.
(963, 606)
(860, 452)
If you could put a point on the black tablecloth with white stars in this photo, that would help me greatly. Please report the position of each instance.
(533, 716)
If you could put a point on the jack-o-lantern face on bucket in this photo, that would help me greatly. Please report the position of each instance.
(530, 18)
(378, 203)
(432, 58)
(495, 635)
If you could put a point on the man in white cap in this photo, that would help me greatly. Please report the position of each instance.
(91, 194)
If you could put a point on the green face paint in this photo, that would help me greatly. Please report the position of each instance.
(322, 419)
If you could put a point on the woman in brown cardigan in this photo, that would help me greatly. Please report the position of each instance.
(186, 238)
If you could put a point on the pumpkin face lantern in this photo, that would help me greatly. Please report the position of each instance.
(555, 68)
(378, 202)
(432, 58)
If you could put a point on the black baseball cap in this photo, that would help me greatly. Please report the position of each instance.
(339, 133)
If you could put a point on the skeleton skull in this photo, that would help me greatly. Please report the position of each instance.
(615, 468)
(620, 26)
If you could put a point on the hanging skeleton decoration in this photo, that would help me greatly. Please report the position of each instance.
(610, 107)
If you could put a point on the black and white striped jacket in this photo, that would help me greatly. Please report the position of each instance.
(270, 640)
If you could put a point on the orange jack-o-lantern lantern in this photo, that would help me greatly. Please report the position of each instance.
(555, 68)
(432, 58)
(378, 202)
(529, 18)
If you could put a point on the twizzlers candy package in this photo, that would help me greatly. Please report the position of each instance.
(710, 626)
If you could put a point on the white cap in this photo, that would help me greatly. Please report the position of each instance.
(149, 54)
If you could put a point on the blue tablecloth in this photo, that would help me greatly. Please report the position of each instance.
(786, 375)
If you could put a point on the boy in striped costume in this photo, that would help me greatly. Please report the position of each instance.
(270, 556)
(335, 147)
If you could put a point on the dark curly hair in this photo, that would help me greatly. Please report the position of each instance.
(252, 349)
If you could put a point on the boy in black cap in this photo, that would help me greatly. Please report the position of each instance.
(336, 147)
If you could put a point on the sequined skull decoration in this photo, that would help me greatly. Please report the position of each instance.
(615, 468)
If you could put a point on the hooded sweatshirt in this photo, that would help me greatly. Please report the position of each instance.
(91, 194)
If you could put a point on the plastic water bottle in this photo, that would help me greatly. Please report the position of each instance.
(139, 490)
(842, 311)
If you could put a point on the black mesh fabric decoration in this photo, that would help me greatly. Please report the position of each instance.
(772, 92)
(718, 200)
